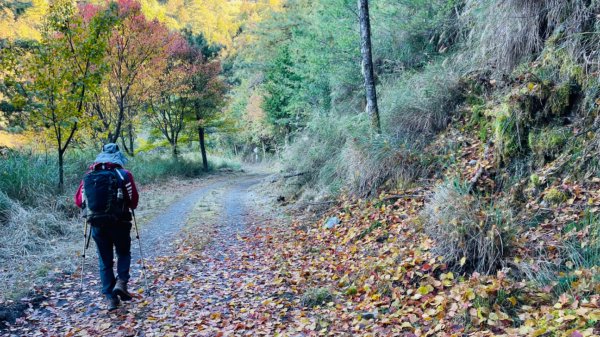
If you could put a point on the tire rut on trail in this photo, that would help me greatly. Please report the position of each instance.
(160, 233)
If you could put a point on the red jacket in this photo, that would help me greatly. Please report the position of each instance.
(132, 196)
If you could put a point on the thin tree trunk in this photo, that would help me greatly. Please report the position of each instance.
(367, 64)
(131, 139)
(120, 118)
(202, 148)
(61, 171)
(175, 151)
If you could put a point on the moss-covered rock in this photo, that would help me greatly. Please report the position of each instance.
(547, 143)
(508, 134)
(554, 196)
(560, 100)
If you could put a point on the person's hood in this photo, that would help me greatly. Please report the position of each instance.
(111, 154)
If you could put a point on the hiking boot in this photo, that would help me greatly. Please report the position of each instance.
(120, 290)
(112, 303)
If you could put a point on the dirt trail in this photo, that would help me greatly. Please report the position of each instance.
(68, 312)
(160, 233)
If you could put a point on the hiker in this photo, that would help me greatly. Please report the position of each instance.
(107, 193)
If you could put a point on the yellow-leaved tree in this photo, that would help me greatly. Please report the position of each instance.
(66, 69)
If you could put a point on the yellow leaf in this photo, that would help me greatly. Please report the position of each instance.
(406, 325)
(470, 294)
(424, 290)
(463, 261)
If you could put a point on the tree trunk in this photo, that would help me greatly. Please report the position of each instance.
(131, 140)
(202, 147)
(61, 171)
(175, 150)
(367, 64)
(120, 118)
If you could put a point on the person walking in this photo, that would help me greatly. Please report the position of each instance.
(108, 194)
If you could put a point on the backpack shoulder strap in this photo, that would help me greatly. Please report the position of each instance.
(122, 175)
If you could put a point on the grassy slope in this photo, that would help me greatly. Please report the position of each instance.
(380, 261)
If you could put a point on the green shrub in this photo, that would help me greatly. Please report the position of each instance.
(469, 233)
(316, 296)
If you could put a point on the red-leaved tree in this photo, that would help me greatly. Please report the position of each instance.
(137, 53)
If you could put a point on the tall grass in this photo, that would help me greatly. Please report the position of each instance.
(31, 178)
(471, 233)
(337, 151)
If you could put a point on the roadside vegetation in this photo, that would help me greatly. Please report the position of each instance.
(489, 113)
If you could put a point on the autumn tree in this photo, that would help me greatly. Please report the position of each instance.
(66, 69)
(169, 99)
(136, 53)
(15, 100)
(207, 90)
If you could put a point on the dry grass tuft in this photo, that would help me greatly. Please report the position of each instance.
(469, 233)
(316, 296)
(34, 242)
(504, 33)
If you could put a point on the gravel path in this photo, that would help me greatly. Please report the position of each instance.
(159, 234)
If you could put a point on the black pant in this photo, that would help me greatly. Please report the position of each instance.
(107, 236)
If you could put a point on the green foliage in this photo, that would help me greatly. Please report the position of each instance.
(281, 83)
(410, 33)
(15, 101)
